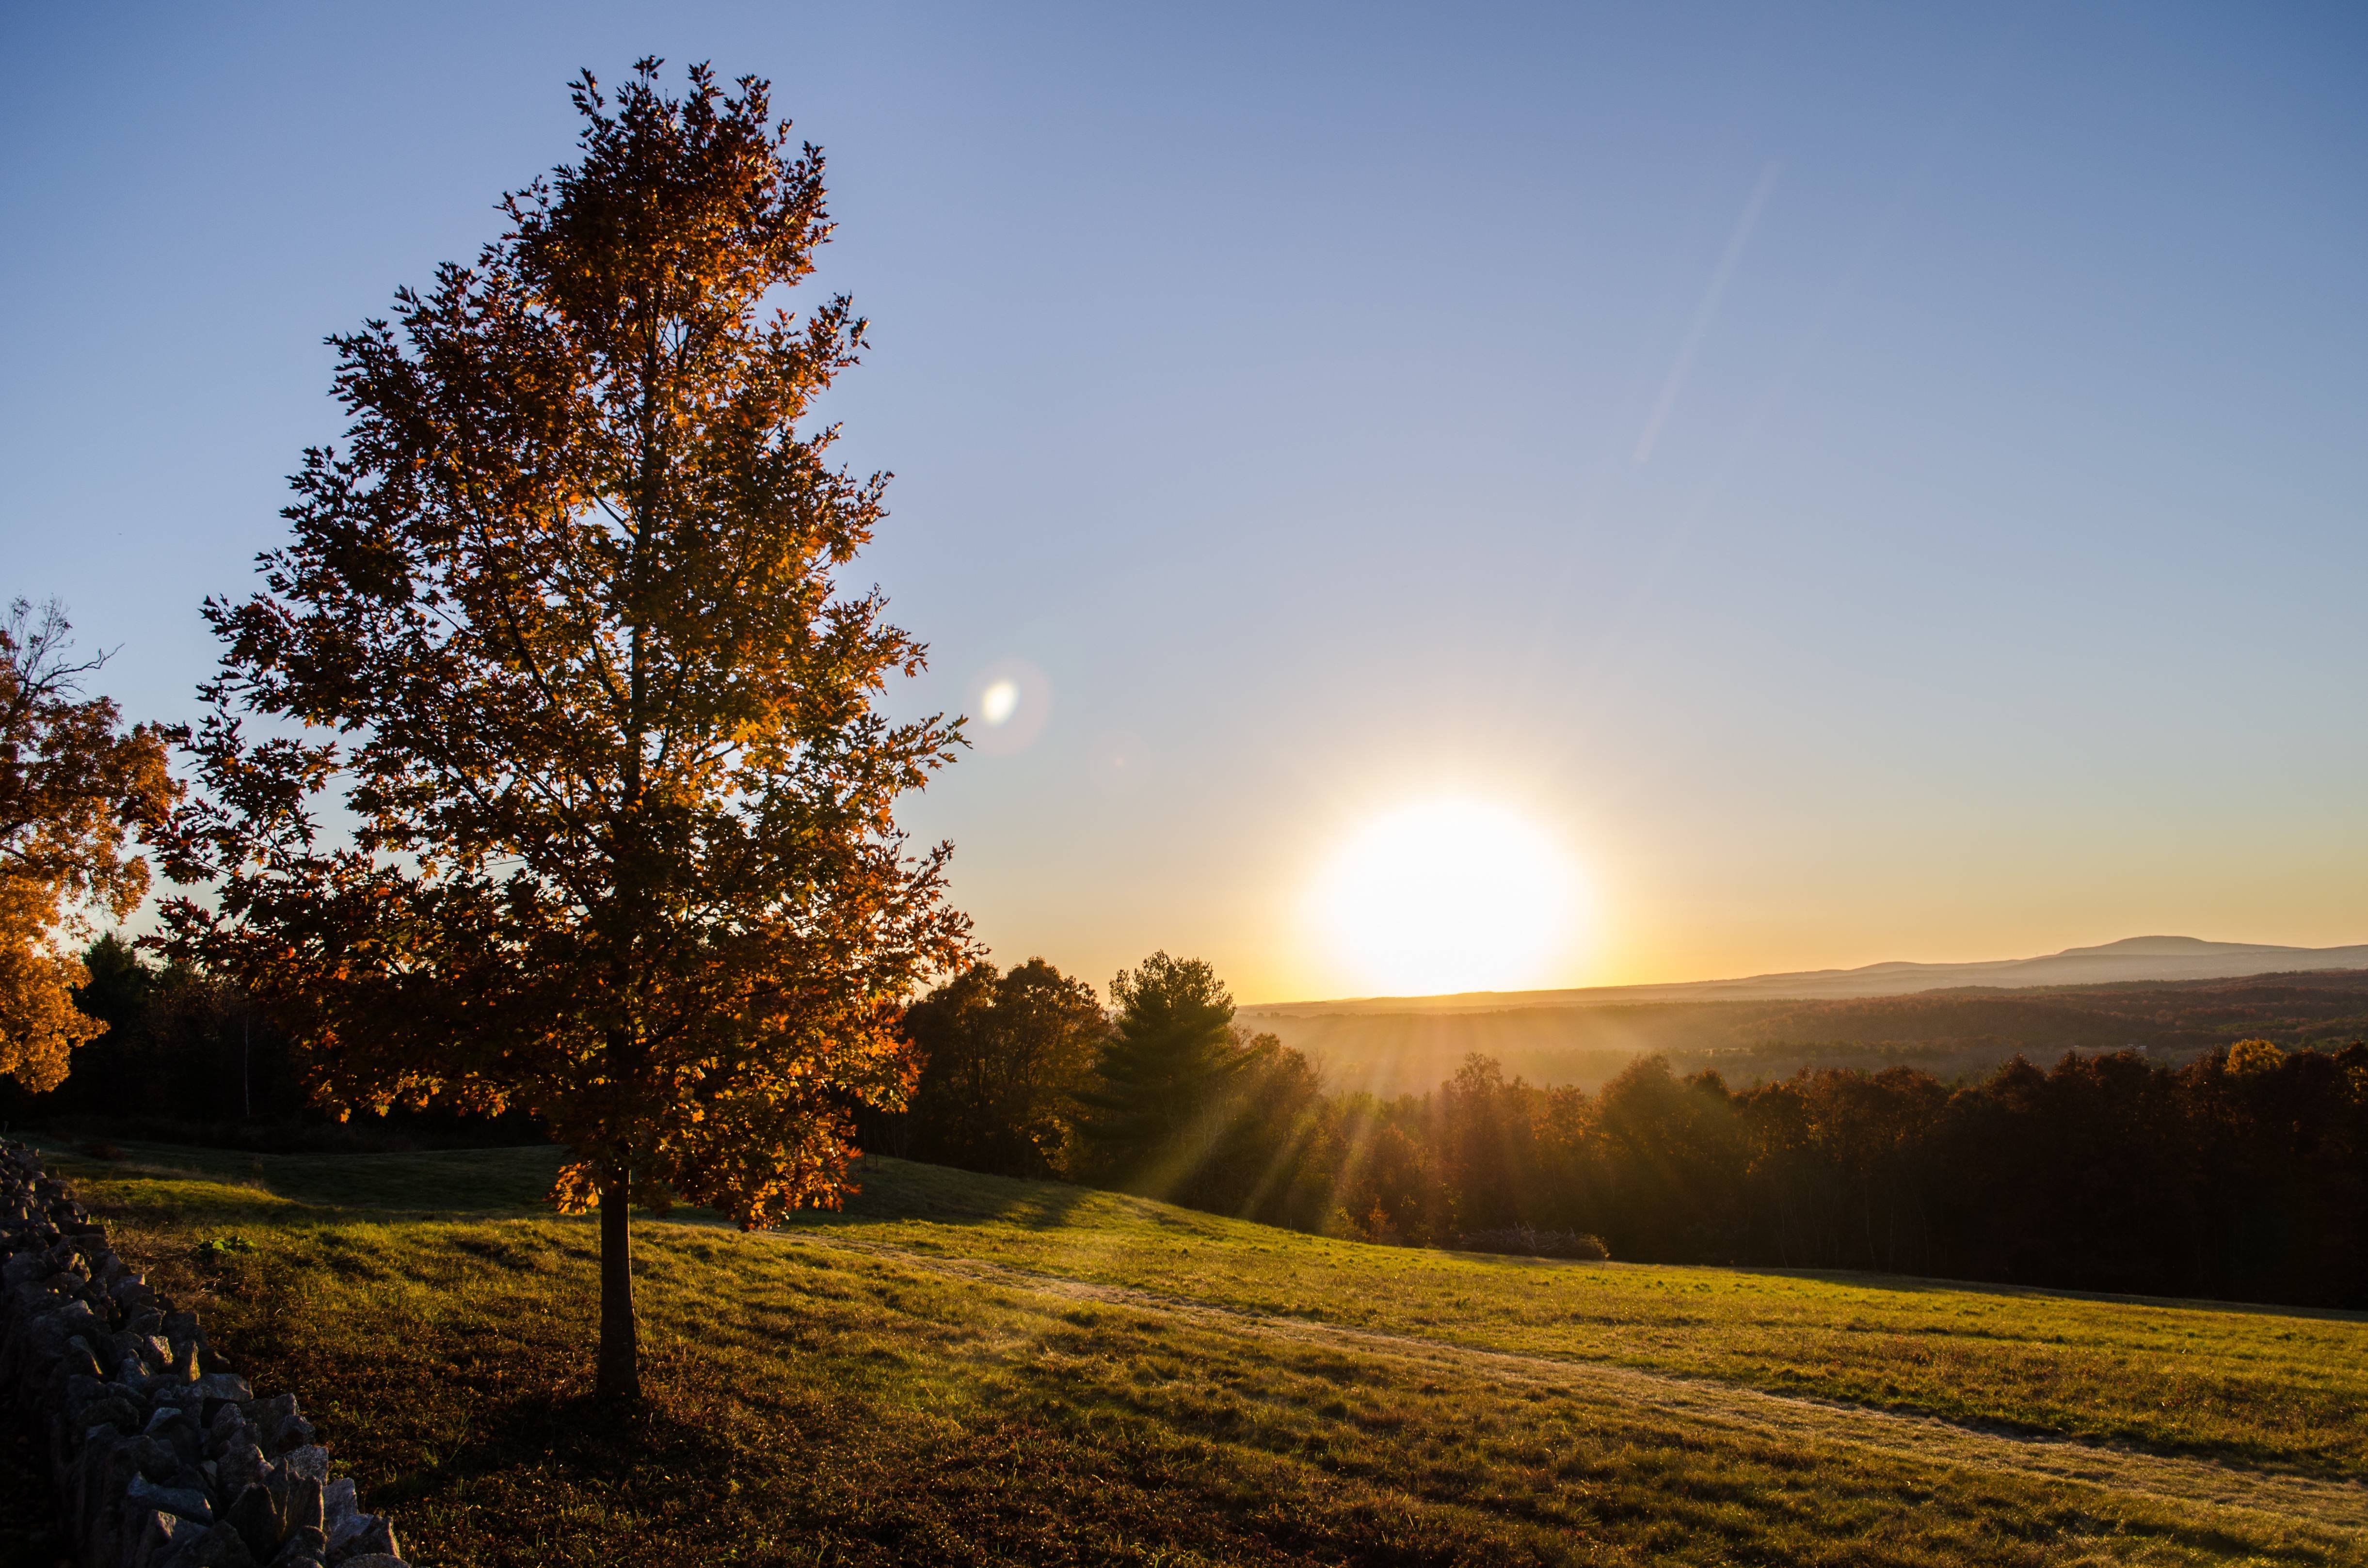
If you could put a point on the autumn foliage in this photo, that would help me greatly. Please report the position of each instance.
(558, 628)
(73, 788)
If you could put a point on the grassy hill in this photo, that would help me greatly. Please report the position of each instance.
(964, 1369)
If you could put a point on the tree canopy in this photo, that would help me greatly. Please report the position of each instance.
(1004, 1058)
(560, 629)
(73, 788)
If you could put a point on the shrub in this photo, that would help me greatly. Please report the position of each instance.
(1521, 1240)
(214, 1249)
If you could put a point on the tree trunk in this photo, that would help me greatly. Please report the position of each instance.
(620, 1360)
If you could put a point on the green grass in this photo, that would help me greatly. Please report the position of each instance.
(962, 1369)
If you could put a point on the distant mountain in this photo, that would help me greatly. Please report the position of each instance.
(2133, 959)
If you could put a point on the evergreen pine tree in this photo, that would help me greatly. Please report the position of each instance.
(1165, 1076)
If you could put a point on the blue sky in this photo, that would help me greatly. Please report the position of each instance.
(1869, 482)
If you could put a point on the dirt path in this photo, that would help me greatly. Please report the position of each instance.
(1772, 1417)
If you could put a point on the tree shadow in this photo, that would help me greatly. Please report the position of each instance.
(1918, 1284)
(891, 1191)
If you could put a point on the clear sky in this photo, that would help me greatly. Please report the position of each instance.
(1847, 483)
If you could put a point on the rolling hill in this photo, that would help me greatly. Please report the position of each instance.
(2132, 960)
(964, 1369)
(1949, 1033)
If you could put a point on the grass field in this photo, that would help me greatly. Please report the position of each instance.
(964, 1369)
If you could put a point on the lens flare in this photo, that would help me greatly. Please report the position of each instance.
(1446, 895)
(1010, 702)
(1121, 762)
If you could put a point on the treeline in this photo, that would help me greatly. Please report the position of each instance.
(179, 1043)
(1952, 1035)
(2242, 1174)
(186, 1057)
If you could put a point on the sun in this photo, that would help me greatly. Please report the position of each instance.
(1446, 895)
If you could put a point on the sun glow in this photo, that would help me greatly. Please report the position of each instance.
(1446, 895)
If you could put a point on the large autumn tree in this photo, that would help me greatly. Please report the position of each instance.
(558, 629)
(75, 786)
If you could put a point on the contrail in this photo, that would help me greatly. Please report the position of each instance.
(1706, 310)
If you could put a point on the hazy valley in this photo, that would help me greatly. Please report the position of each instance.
(1925, 1016)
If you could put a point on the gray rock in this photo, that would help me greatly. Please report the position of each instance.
(373, 1560)
(241, 1466)
(293, 1433)
(304, 1509)
(219, 1547)
(104, 1519)
(160, 1535)
(265, 1414)
(188, 1502)
(155, 1457)
(225, 1385)
(76, 1318)
(87, 1488)
(171, 1424)
(128, 1523)
(30, 1301)
(80, 1359)
(40, 1295)
(311, 1461)
(45, 1339)
(303, 1548)
(227, 1428)
(119, 1413)
(360, 1536)
(259, 1521)
(337, 1503)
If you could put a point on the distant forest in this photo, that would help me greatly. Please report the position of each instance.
(1952, 1035)
(2228, 1158)
(186, 1058)
(2173, 1146)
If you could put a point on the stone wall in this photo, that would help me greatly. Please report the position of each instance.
(163, 1456)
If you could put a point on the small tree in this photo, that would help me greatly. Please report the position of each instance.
(560, 623)
(2249, 1058)
(1004, 1059)
(72, 788)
